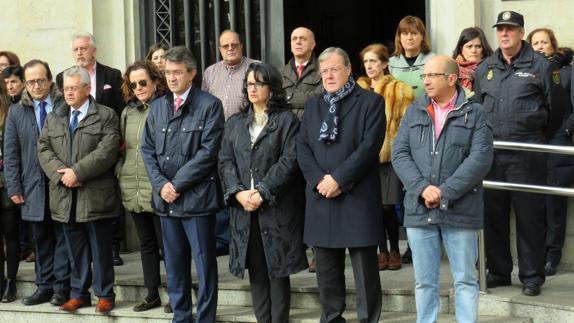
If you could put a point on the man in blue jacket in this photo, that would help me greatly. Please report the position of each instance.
(181, 141)
(441, 153)
(27, 185)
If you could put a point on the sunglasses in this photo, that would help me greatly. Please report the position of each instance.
(142, 83)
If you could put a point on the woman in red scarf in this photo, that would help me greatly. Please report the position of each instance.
(471, 48)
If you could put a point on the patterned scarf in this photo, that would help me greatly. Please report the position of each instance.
(330, 127)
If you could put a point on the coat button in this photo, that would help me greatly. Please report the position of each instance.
(163, 129)
(170, 212)
(167, 158)
(200, 127)
(168, 130)
(429, 220)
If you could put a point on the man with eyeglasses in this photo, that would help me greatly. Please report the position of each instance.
(515, 86)
(181, 140)
(78, 149)
(27, 185)
(105, 88)
(224, 79)
(340, 137)
(441, 153)
(301, 78)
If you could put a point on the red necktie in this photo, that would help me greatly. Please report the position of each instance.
(300, 70)
(178, 102)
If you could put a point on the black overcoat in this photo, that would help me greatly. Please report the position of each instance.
(272, 162)
(354, 218)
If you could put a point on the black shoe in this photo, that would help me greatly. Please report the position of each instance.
(549, 269)
(59, 299)
(407, 256)
(9, 294)
(531, 289)
(118, 261)
(145, 305)
(493, 282)
(37, 298)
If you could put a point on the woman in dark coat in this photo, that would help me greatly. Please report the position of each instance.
(260, 176)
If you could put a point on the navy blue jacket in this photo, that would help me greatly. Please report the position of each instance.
(456, 163)
(22, 169)
(182, 148)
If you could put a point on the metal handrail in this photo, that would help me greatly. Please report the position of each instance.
(552, 190)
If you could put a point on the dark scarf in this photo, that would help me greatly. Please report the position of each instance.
(329, 126)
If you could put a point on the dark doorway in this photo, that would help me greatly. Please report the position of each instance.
(351, 25)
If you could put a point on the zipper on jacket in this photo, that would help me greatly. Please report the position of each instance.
(138, 138)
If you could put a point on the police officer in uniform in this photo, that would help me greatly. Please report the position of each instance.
(515, 86)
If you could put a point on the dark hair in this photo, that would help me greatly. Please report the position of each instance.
(15, 70)
(12, 58)
(550, 34)
(182, 55)
(469, 34)
(153, 73)
(269, 75)
(378, 49)
(35, 62)
(410, 23)
(4, 104)
(155, 47)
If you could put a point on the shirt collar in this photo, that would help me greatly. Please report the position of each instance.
(449, 105)
(183, 96)
(83, 109)
(48, 101)
(234, 67)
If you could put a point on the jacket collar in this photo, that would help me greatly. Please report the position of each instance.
(27, 101)
(269, 127)
(524, 57)
(461, 100)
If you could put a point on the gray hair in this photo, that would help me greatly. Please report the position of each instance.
(78, 71)
(335, 50)
(180, 54)
(87, 35)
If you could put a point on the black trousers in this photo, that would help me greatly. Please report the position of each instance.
(556, 214)
(271, 296)
(391, 228)
(9, 253)
(516, 167)
(149, 233)
(331, 281)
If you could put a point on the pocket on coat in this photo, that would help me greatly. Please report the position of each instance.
(461, 134)
(100, 198)
(160, 133)
(419, 133)
(191, 136)
(413, 204)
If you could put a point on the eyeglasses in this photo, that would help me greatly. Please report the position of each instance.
(142, 83)
(71, 88)
(176, 73)
(255, 85)
(39, 82)
(80, 49)
(332, 70)
(230, 46)
(433, 75)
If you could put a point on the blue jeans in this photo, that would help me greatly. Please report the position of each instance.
(462, 248)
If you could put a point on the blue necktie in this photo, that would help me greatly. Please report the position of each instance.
(74, 123)
(42, 107)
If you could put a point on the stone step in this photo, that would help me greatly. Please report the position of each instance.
(18, 313)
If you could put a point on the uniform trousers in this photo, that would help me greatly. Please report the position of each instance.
(516, 167)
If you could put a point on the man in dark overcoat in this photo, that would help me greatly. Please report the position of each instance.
(341, 135)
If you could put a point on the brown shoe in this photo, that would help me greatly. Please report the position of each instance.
(384, 260)
(312, 266)
(73, 304)
(395, 260)
(31, 257)
(104, 306)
